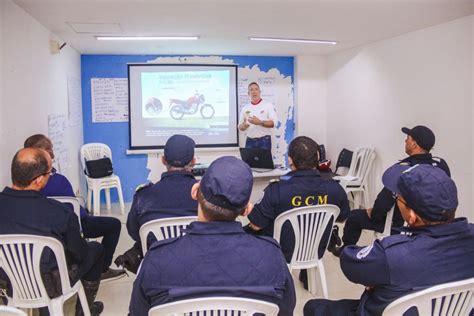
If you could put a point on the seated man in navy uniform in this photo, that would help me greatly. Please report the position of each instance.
(24, 210)
(303, 186)
(169, 197)
(92, 226)
(418, 144)
(216, 257)
(436, 248)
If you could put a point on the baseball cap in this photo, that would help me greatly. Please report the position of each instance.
(179, 150)
(227, 183)
(423, 136)
(427, 189)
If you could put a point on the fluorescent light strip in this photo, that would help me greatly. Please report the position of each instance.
(145, 38)
(292, 40)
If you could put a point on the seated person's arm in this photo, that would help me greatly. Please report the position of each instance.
(133, 227)
(139, 303)
(382, 205)
(262, 214)
(288, 301)
(366, 265)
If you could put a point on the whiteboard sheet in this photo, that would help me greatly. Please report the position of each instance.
(109, 100)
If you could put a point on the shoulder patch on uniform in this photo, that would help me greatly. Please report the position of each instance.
(364, 252)
(160, 243)
(268, 239)
(285, 178)
(142, 186)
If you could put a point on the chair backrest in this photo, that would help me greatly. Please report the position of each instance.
(73, 201)
(361, 164)
(217, 306)
(20, 257)
(164, 228)
(11, 311)
(448, 299)
(309, 224)
(344, 159)
(93, 151)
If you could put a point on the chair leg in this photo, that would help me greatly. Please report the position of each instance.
(322, 278)
(120, 196)
(96, 202)
(107, 198)
(366, 198)
(312, 280)
(83, 299)
(56, 306)
(89, 199)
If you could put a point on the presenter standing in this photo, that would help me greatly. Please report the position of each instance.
(257, 118)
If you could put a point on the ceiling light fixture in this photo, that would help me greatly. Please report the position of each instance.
(145, 38)
(293, 40)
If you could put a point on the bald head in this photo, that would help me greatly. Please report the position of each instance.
(29, 164)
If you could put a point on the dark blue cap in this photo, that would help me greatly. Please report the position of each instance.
(427, 189)
(227, 183)
(424, 137)
(179, 150)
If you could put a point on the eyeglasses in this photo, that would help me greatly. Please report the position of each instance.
(49, 173)
(397, 198)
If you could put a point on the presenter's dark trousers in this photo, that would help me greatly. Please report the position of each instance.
(264, 142)
(322, 307)
(106, 227)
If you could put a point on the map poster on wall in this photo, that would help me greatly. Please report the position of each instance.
(56, 130)
(74, 101)
(109, 100)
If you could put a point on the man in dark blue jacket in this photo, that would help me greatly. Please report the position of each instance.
(171, 196)
(436, 248)
(216, 257)
(24, 210)
(92, 226)
(303, 186)
(418, 143)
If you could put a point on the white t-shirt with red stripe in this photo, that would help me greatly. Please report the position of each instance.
(264, 111)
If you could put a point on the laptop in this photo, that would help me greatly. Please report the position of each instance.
(260, 160)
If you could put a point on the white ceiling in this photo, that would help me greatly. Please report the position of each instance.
(225, 25)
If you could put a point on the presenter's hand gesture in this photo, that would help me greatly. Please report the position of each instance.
(255, 120)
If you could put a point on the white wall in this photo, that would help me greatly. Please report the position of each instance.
(34, 84)
(3, 170)
(310, 93)
(423, 77)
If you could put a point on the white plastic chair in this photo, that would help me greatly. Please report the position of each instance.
(448, 299)
(73, 201)
(309, 224)
(215, 305)
(95, 151)
(357, 178)
(164, 228)
(11, 311)
(20, 257)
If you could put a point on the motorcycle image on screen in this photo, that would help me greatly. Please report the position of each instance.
(178, 108)
(153, 106)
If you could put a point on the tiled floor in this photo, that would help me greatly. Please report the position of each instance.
(116, 294)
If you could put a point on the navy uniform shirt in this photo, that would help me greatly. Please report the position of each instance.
(170, 197)
(29, 212)
(385, 201)
(213, 259)
(400, 264)
(296, 189)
